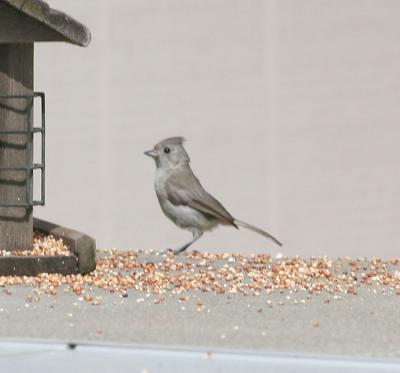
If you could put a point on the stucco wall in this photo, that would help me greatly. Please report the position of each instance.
(290, 110)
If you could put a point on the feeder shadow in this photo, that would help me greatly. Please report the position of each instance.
(9, 107)
(9, 145)
(20, 183)
(14, 217)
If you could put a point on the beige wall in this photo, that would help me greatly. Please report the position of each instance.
(290, 109)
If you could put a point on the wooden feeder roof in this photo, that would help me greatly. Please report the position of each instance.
(23, 21)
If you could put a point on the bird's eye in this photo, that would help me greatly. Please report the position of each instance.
(167, 150)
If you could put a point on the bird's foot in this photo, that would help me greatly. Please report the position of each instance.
(165, 251)
(172, 251)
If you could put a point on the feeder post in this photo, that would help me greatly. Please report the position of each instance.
(16, 78)
(23, 23)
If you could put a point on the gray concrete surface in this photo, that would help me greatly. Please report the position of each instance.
(362, 326)
(16, 356)
(290, 109)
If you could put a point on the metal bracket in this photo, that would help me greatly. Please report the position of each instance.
(31, 167)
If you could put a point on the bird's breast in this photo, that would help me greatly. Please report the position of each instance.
(187, 217)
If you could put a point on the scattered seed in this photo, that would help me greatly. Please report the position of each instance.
(159, 276)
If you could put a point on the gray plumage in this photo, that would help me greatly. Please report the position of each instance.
(183, 188)
(182, 197)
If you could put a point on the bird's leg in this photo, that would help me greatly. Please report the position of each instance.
(196, 236)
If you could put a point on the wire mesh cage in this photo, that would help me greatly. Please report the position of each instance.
(30, 167)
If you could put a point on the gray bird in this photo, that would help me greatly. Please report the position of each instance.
(182, 197)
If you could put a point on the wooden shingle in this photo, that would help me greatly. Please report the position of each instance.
(24, 21)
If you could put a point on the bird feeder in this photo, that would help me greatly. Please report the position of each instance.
(22, 23)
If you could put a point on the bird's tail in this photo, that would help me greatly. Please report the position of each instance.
(257, 230)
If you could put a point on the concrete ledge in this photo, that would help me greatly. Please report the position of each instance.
(82, 245)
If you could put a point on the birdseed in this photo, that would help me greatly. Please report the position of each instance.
(42, 246)
(184, 276)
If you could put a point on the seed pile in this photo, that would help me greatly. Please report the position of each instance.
(42, 246)
(158, 275)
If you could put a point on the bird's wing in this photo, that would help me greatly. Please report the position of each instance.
(183, 188)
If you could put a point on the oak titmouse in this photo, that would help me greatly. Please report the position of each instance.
(182, 197)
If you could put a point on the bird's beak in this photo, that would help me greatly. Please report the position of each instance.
(151, 153)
